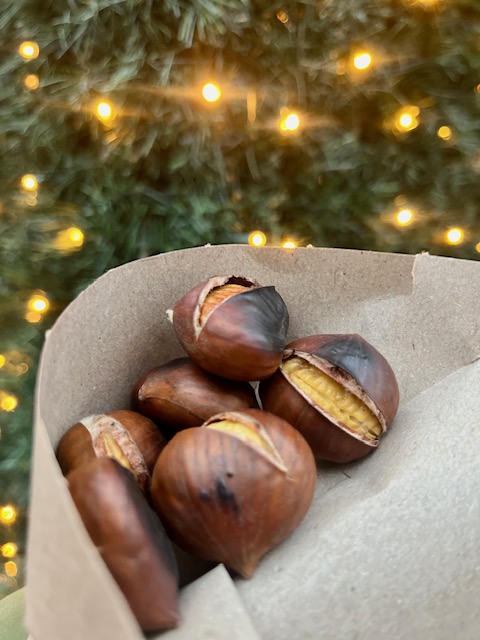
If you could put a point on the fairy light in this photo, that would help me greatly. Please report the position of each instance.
(211, 92)
(289, 244)
(8, 514)
(33, 317)
(477, 247)
(31, 81)
(29, 182)
(445, 133)
(11, 569)
(283, 17)
(404, 217)
(454, 235)
(38, 303)
(407, 118)
(289, 122)
(3, 360)
(9, 550)
(257, 239)
(8, 402)
(29, 50)
(69, 239)
(362, 60)
(104, 111)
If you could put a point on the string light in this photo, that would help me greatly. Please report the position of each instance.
(31, 81)
(289, 122)
(289, 244)
(9, 550)
(104, 111)
(11, 569)
(257, 239)
(477, 247)
(407, 118)
(8, 402)
(38, 303)
(362, 60)
(211, 92)
(283, 17)
(8, 514)
(445, 133)
(29, 182)
(404, 217)
(29, 50)
(454, 235)
(69, 239)
(3, 360)
(33, 317)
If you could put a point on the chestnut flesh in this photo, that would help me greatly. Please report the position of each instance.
(338, 391)
(233, 327)
(234, 488)
(130, 538)
(180, 394)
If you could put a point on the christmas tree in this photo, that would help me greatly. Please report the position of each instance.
(130, 127)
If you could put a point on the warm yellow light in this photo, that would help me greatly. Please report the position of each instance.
(38, 303)
(289, 122)
(3, 360)
(8, 514)
(9, 550)
(289, 244)
(8, 402)
(445, 133)
(29, 50)
(33, 317)
(283, 17)
(211, 92)
(362, 60)
(29, 182)
(31, 81)
(104, 111)
(454, 235)
(407, 118)
(11, 569)
(404, 217)
(477, 247)
(477, 88)
(257, 239)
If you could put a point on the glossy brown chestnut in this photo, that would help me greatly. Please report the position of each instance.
(232, 327)
(180, 394)
(234, 488)
(129, 437)
(338, 391)
(131, 540)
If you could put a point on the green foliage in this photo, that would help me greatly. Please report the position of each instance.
(171, 171)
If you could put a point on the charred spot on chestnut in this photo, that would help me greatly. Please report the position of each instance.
(338, 391)
(130, 438)
(234, 488)
(233, 327)
(131, 540)
(180, 394)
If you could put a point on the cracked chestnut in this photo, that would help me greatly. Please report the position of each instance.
(180, 394)
(130, 538)
(234, 488)
(233, 327)
(338, 391)
(130, 438)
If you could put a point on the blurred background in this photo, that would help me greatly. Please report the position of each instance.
(134, 127)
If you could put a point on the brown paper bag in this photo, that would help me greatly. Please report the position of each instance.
(390, 547)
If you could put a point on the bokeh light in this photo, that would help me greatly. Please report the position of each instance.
(211, 92)
(29, 50)
(257, 239)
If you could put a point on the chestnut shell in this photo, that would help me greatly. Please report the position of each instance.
(179, 394)
(222, 499)
(348, 354)
(244, 336)
(131, 540)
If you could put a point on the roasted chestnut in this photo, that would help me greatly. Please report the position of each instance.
(234, 488)
(233, 327)
(180, 394)
(128, 437)
(130, 538)
(338, 391)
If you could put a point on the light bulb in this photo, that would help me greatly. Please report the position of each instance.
(8, 403)
(38, 303)
(8, 514)
(257, 239)
(289, 122)
(445, 133)
(211, 92)
(31, 81)
(362, 60)
(29, 182)
(454, 235)
(289, 244)
(104, 111)
(404, 217)
(29, 50)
